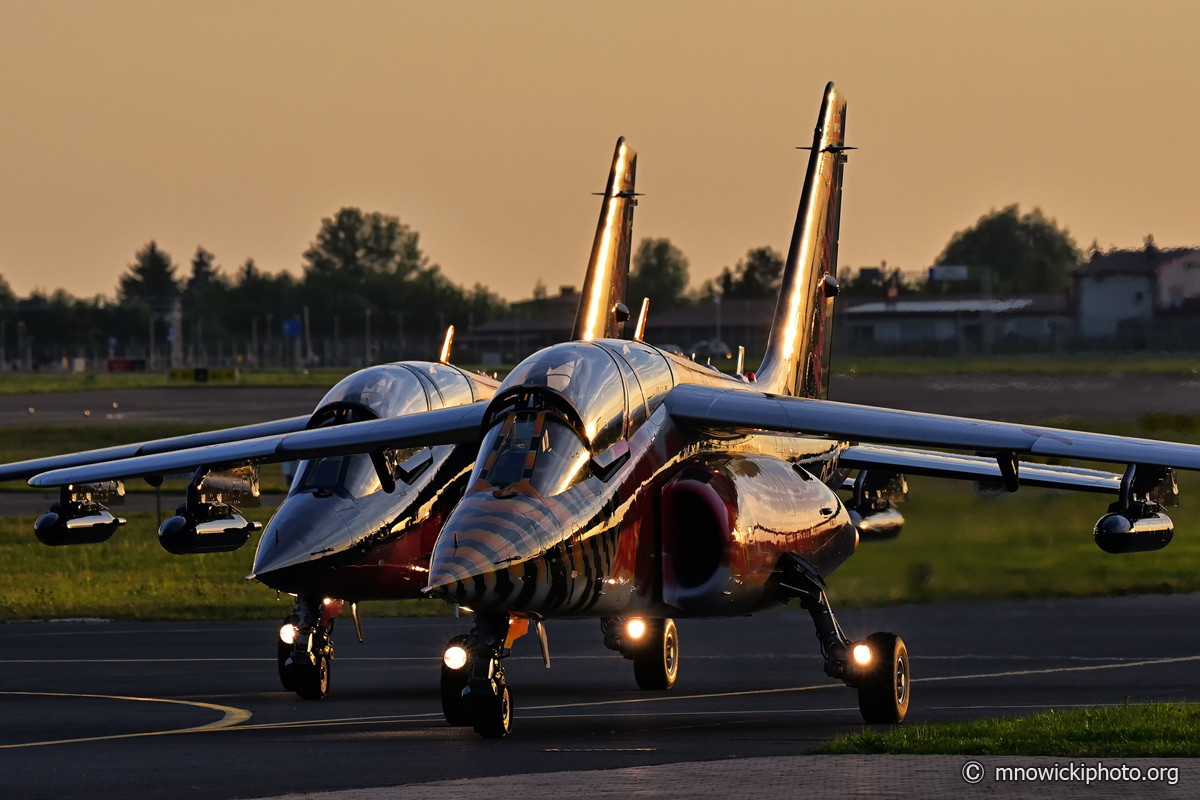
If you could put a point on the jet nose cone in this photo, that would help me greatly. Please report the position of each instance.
(482, 541)
(305, 529)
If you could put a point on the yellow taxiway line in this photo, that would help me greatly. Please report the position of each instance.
(231, 716)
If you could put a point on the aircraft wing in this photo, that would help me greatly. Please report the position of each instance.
(457, 425)
(712, 408)
(24, 470)
(981, 468)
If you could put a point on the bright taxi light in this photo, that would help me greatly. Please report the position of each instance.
(455, 657)
(328, 601)
(862, 654)
(287, 634)
(635, 628)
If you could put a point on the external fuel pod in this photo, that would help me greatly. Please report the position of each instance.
(58, 528)
(1116, 533)
(183, 536)
(877, 525)
(80, 515)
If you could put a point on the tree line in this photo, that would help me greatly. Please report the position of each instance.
(363, 269)
(1008, 252)
(368, 269)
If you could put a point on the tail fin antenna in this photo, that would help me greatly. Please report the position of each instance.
(797, 358)
(444, 357)
(639, 332)
(608, 266)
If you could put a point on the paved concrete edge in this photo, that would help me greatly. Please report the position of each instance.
(835, 776)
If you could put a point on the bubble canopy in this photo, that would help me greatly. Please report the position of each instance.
(587, 377)
(386, 391)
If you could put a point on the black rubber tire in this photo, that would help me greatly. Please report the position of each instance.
(453, 682)
(312, 681)
(884, 693)
(656, 660)
(493, 715)
(286, 673)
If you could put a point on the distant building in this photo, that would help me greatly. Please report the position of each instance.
(537, 323)
(1115, 289)
(949, 326)
(734, 322)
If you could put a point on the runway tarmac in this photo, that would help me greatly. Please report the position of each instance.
(1026, 398)
(118, 710)
(202, 405)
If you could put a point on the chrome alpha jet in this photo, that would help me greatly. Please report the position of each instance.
(621, 482)
(354, 526)
(360, 519)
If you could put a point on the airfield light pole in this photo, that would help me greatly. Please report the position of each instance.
(308, 353)
(399, 315)
(717, 303)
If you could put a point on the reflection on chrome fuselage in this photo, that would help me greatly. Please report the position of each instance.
(657, 519)
(338, 533)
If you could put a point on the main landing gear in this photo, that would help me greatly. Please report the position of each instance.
(474, 691)
(305, 648)
(877, 667)
(651, 644)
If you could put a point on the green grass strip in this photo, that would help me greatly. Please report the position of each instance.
(131, 577)
(1127, 731)
(1183, 366)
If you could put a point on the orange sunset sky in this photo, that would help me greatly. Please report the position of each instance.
(486, 126)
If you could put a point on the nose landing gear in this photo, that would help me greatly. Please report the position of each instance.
(305, 649)
(474, 691)
(456, 671)
(877, 667)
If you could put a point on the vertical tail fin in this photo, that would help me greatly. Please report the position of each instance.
(608, 267)
(797, 358)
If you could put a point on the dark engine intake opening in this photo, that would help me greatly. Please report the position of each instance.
(696, 531)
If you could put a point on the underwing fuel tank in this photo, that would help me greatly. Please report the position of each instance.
(873, 509)
(1117, 533)
(80, 516)
(208, 521)
(57, 528)
(728, 519)
(877, 525)
(182, 535)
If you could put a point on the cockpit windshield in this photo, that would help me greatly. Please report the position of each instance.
(535, 446)
(387, 391)
(348, 476)
(586, 377)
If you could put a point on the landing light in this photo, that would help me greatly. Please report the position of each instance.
(287, 634)
(862, 654)
(455, 657)
(635, 628)
(328, 601)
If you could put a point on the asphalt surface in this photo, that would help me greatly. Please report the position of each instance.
(1029, 398)
(747, 688)
(208, 405)
(1024, 398)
